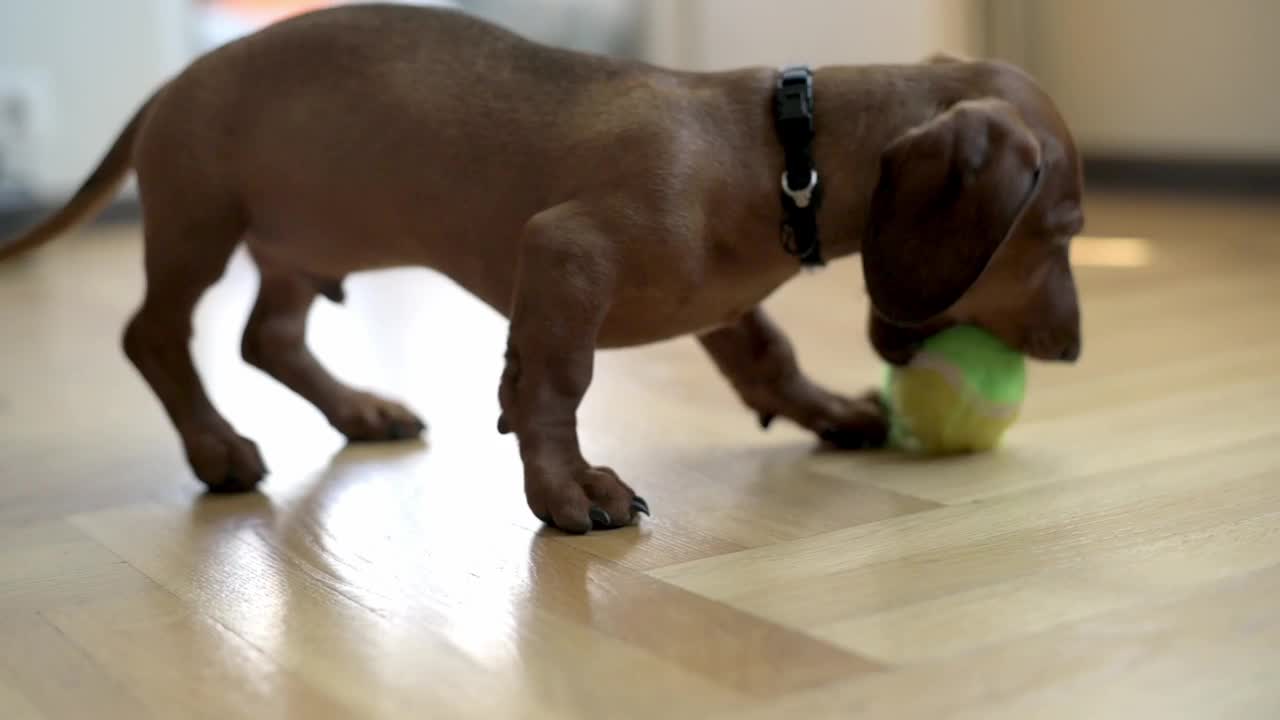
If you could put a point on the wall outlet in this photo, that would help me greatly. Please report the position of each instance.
(25, 117)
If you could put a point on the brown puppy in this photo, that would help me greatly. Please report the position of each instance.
(595, 202)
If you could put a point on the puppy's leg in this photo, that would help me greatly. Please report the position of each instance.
(185, 254)
(560, 301)
(275, 342)
(758, 360)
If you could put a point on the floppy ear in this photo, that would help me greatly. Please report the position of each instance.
(950, 191)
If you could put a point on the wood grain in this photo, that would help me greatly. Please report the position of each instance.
(1208, 653)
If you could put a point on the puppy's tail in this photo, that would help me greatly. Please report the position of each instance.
(92, 197)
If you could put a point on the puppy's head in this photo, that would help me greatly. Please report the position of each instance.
(971, 221)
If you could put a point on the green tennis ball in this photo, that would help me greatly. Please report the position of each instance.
(959, 394)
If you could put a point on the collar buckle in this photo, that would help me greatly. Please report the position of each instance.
(795, 103)
(801, 196)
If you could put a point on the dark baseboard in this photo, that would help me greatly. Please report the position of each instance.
(18, 216)
(1248, 178)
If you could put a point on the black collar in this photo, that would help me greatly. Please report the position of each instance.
(801, 194)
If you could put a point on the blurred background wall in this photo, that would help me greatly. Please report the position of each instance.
(71, 74)
(1180, 78)
(718, 34)
(1140, 80)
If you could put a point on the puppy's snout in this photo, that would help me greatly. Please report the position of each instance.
(1070, 351)
(1059, 319)
(1052, 347)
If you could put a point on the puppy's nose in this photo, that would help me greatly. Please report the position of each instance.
(1070, 352)
(1050, 347)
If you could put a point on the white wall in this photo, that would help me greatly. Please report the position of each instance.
(718, 34)
(93, 61)
(1168, 77)
(603, 26)
(1180, 78)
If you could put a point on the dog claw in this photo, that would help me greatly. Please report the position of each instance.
(832, 437)
(638, 505)
(600, 518)
(766, 419)
(850, 440)
(233, 485)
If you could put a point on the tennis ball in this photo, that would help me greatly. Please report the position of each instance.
(959, 394)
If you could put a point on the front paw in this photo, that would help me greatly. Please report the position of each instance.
(223, 460)
(844, 423)
(363, 417)
(859, 423)
(577, 501)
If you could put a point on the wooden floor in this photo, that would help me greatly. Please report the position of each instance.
(1119, 558)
